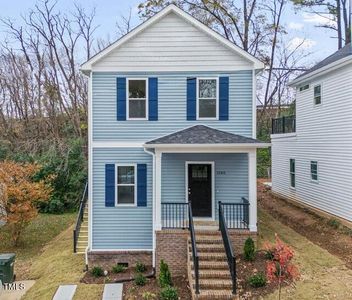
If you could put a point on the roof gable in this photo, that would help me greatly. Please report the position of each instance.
(161, 21)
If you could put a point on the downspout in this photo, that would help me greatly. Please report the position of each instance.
(86, 257)
(153, 201)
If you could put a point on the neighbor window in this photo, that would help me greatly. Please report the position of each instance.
(314, 170)
(317, 94)
(137, 99)
(126, 185)
(207, 98)
(292, 173)
(304, 87)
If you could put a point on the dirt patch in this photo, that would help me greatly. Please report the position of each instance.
(127, 275)
(133, 292)
(328, 234)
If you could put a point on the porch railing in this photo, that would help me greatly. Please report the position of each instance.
(195, 256)
(236, 215)
(79, 221)
(231, 259)
(283, 125)
(174, 215)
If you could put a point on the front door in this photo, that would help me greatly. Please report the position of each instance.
(200, 189)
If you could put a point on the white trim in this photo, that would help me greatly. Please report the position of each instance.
(90, 161)
(209, 147)
(146, 118)
(254, 105)
(310, 171)
(158, 158)
(283, 135)
(321, 71)
(216, 99)
(119, 250)
(252, 190)
(212, 164)
(105, 144)
(135, 184)
(87, 66)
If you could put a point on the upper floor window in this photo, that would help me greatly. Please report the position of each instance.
(314, 170)
(317, 94)
(137, 104)
(292, 173)
(126, 184)
(207, 100)
(304, 87)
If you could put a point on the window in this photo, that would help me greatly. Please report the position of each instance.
(292, 173)
(317, 94)
(304, 87)
(137, 99)
(126, 185)
(207, 98)
(314, 170)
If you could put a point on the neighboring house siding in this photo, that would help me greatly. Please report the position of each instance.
(324, 134)
(172, 44)
(172, 106)
(231, 176)
(120, 227)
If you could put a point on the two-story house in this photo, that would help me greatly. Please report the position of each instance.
(312, 151)
(172, 128)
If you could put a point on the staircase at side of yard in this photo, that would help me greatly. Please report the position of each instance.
(82, 241)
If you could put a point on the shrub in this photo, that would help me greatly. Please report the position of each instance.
(118, 268)
(148, 296)
(169, 293)
(249, 249)
(334, 223)
(97, 271)
(257, 280)
(140, 268)
(165, 275)
(140, 279)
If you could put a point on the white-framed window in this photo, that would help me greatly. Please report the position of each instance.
(207, 98)
(304, 87)
(314, 170)
(317, 94)
(126, 184)
(292, 173)
(137, 99)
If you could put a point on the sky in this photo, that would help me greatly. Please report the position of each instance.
(300, 25)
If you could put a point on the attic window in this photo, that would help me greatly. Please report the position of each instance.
(304, 87)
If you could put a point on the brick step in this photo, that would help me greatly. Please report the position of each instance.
(201, 232)
(214, 274)
(216, 294)
(218, 248)
(209, 265)
(209, 240)
(214, 284)
(208, 256)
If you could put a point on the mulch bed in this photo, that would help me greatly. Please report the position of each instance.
(133, 292)
(127, 275)
(337, 241)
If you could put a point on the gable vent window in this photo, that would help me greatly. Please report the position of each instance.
(304, 87)
(137, 107)
(317, 94)
(207, 98)
(314, 170)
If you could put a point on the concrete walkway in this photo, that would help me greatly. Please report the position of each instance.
(65, 292)
(113, 291)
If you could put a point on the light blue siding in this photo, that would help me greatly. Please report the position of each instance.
(120, 227)
(172, 106)
(231, 176)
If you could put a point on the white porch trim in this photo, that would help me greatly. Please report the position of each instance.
(252, 186)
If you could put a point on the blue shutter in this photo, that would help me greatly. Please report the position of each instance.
(121, 98)
(223, 98)
(141, 185)
(153, 99)
(191, 98)
(109, 185)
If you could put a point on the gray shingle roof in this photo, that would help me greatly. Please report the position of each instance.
(200, 134)
(343, 52)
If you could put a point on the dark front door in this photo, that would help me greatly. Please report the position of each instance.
(199, 189)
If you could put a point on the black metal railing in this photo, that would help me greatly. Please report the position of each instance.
(174, 215)
(79, 221)
(195, 256)
(231, 259)
(283, 125)
(236, 214)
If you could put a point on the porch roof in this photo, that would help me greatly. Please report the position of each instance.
(201, 135)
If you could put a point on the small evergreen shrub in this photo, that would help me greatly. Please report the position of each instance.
(165, 275)
(169, 293)
(257, 280)
(269, 254)
(140, 268)
(148, 296)
(334, 223)
(97, 271)
(118, 269)
(140, 279)
(249, 249)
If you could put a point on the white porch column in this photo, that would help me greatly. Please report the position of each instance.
(157, 220)
(252, 183)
